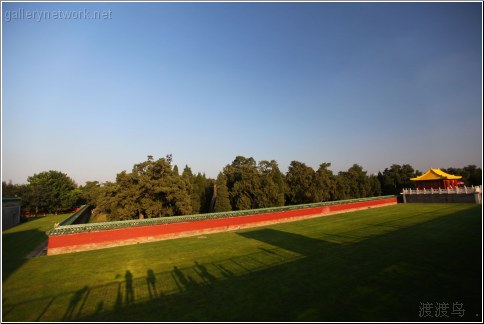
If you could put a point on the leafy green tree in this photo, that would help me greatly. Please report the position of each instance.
(325, 183)
(222, 201)
(161, 191)
(175, 170)
(254, 186)
(105, 200)
(375, 186)
(52, 191)
(242, 182)
(90, 192)
(301, 185)
(471, 174)
(127, 202)
(187, 172)
(397, 177)
(152, 189)
(342, 187)
(193, 189)
(359, 184)
(203, 190)
(13, 190)
(270, 192)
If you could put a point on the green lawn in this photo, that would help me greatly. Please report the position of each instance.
(379, 264)
(18, 241)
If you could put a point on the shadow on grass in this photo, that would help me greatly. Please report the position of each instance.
(16, 246)
(128, 291)
(381, 278)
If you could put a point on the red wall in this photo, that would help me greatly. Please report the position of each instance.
(129, 233)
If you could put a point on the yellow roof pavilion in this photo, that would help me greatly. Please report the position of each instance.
(436, 174)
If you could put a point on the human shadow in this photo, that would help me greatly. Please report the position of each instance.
(76, 298)
(224, 271)
(129, 296)
(183, 282)
(203, 272)
(151, 283)
(118, 303)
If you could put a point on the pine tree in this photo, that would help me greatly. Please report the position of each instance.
(222, 201)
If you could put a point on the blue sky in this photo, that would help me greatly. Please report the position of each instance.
(367, 83)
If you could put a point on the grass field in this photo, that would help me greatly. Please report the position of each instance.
(382, 264)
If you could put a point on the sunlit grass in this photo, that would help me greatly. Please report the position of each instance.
(377, 264)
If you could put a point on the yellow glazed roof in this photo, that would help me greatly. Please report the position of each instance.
(436, 174)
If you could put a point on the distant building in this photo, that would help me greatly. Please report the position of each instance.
(436, 178)
(10, 212)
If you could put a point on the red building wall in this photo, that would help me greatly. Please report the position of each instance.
(436, 184)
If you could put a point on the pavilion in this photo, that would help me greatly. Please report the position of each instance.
(436, 178)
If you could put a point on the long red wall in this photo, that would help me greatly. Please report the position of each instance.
(98, 239)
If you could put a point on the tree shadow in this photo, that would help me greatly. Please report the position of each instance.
(289, 241)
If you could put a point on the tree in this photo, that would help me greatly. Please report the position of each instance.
(325, 183)
(471, 175)
(242, 182)
(162, 192)
(152, 189)
(301, 186)
(193, 189)
(270, 192)
(375, 187)
(52, 191)
(222, 201)
(203, 190)
(106, 199)
(128, 198)
(359, 184)
(13, 190)
(187, 172)
(342, 187)
(395, 178)
(90, 192)
(252, 185)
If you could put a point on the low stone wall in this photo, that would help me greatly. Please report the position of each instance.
(86, 237)
(464, 194)
(81, 216)
(442, 198)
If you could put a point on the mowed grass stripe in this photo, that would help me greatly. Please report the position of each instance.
(376, 264)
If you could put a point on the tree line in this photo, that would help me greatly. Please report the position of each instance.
(156, 188)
